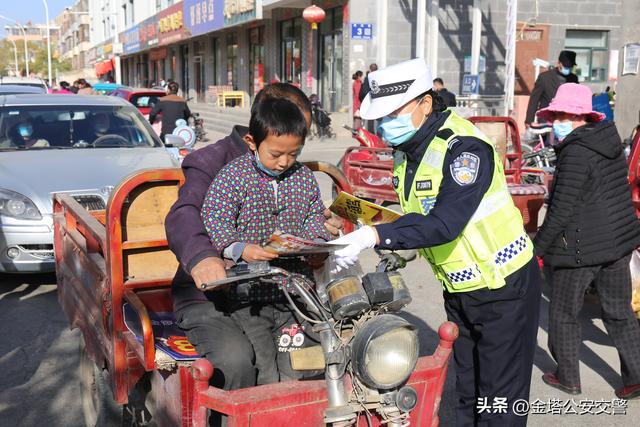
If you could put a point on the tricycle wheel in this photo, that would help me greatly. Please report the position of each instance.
(98, 406)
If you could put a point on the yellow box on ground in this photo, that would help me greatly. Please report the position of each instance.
(360, 211)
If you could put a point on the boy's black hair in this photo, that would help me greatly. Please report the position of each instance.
(283, 91)
(276, 117)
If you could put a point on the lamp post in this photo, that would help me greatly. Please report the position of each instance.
(24, 34)
(15, 54)
(46, 12)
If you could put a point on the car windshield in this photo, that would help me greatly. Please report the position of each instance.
(56, 127)
(141, 101)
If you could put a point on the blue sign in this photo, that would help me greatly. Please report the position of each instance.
(131, 40)
(203, 16)
(470, 84)
(362, 31)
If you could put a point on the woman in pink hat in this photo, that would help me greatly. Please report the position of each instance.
(588, 235)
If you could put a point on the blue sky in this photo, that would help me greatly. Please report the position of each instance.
(30, 10)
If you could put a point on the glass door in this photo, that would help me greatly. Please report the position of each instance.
(331, 72)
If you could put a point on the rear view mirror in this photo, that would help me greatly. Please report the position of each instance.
(174, 140)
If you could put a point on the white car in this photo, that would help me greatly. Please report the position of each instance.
(82, 145)
(25, 81)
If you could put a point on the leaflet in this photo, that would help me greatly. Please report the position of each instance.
(360, 211)
(289, 245)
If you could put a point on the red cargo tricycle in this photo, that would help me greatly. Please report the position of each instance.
(115, 269)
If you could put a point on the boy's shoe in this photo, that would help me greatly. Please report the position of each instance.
(629, 392)
(553, 381)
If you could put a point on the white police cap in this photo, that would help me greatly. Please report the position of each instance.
(395, 86)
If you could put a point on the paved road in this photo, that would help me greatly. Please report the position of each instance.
(39, 355)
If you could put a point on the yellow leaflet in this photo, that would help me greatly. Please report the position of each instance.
(360, 211)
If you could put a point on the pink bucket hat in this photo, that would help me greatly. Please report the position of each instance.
(571, 98)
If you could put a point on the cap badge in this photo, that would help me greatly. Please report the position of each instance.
(375, 89)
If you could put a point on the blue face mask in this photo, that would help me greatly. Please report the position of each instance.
(565, 71)
(398, 130)
(263, 168)
(25, 130)
(562, 129)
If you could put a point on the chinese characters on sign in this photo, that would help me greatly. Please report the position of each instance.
(553, 406)
(171, 24)
(362, 31)
(238, 11)
(203, 16)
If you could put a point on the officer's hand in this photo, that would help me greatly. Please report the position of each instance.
(359, 240)
(333, 223)
(210, 269)
(254, 253)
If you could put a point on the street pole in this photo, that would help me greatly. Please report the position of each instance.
(510, 56)
(46, 11)
(15, 54)
(24, 34)
(434, 35)
(421, 29)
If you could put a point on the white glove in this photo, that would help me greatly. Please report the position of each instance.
(359, 240)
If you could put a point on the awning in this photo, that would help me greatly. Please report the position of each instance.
(103, 67)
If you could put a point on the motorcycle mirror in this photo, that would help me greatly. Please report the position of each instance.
(174, 140)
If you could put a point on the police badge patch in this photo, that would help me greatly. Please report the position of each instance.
(464, 168)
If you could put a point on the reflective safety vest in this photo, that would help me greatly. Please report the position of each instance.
(493, 244)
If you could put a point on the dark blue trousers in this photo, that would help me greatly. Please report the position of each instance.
(494, 354)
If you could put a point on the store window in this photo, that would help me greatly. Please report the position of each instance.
(256, 59)
(291, 51)
(232, 60)
(592, 54)
(331, 63)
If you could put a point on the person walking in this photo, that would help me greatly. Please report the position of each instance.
(172, 107)
(548, 83)
(355, 94)
(364, 90)
(449, 98)
(588, 235)
(452, 188)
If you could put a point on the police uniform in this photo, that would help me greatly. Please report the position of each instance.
(451, 186)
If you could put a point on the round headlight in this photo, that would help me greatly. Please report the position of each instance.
(385, 351)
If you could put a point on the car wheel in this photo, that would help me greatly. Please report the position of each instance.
(98, 406)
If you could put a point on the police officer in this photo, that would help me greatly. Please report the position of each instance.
(458, 212)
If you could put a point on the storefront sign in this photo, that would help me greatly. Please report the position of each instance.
(362, 31)
(148, 32)
(240, 11)
(131, 41)
(171, 24)
(203, 16)
(156, 54)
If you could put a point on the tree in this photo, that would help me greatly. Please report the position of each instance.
(7, 58)
(37, 56)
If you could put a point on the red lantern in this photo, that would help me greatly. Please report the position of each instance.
(314, 15)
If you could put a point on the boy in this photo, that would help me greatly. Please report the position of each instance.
(254, 195)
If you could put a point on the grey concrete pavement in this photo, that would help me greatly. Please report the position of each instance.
(39, 355)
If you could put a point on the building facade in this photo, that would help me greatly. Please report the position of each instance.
(244, 44)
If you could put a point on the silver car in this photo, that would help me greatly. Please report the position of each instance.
(82, 145)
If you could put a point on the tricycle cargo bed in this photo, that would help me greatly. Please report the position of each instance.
(107, 260)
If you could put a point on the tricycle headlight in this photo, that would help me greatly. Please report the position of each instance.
(385, 351)
(17, 206)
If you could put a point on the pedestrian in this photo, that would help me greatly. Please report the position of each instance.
(452, 189)
(172, 107)
(355, 94)
(64, 89)
(85, 88)
(256, 194)
(588, 235)
(201, 263)
(548, 83)
(449, 98)
(75, 86)
(364, 89)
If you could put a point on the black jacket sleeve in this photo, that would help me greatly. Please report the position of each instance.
(454, 205)
(187, 112)
(534, 99)
(157, 109)
(571, 174)
(364, 89)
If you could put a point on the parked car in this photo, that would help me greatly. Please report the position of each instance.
(80, 145)
(107, 88)
(13, 89)
(24, 81)
(143, 99)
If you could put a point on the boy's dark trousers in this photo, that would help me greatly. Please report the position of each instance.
(494, 353)
(613, 284)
